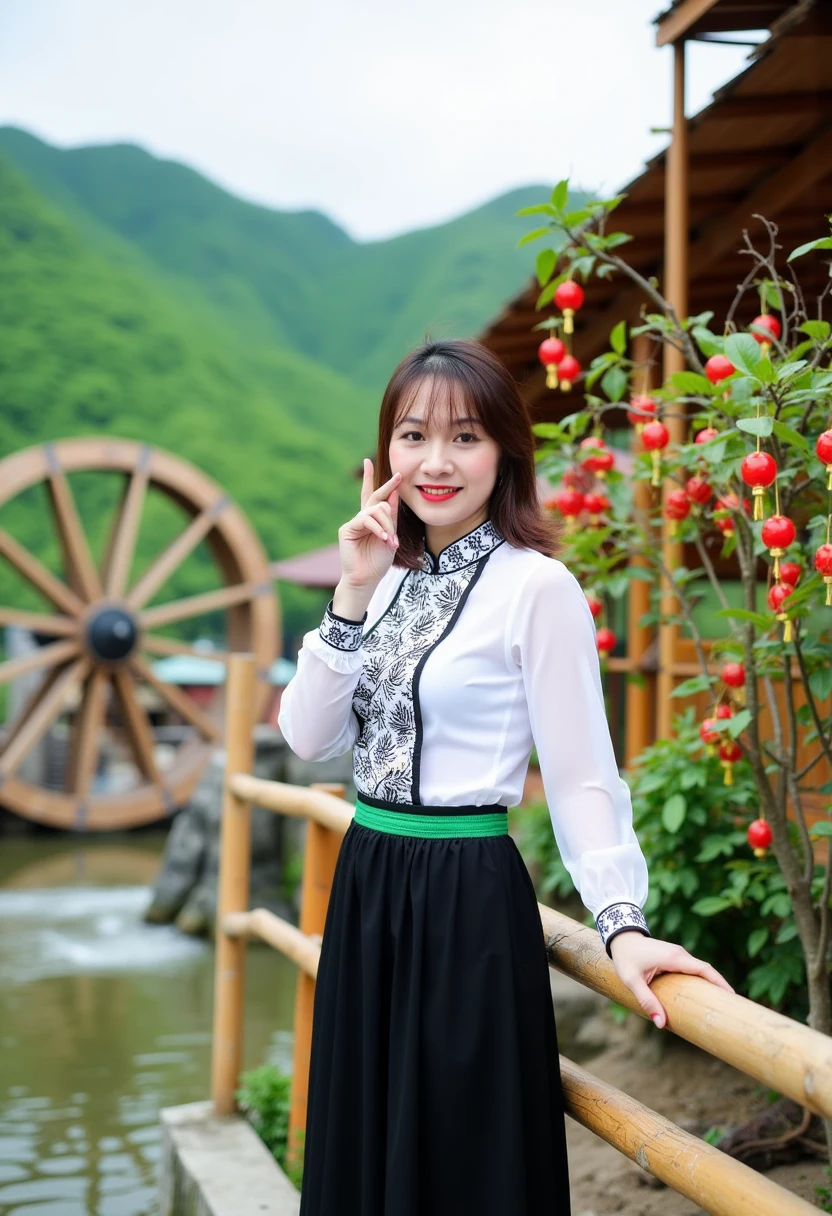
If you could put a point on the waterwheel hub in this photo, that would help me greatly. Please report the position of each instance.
(112, 634)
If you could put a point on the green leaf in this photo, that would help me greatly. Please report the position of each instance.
(791, 436)
(560, 194)
(574, 219)
(743, 614)
(739, 723)
(537, 209)
(824, 242)
(695, 684)
(820, 682)
(534, 235)
(614, 383)
(823, 827)
(618, 338)
(691, 384)
(615, 239)
(762, 426)
(548, 293)
(708, 343)
(710, 905)
(673, 812)
(545, 265)
(744, 352)
(756, 940)
(818, 330)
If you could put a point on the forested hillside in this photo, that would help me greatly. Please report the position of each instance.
(139, 299)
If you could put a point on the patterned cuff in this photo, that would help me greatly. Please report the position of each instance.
(339, 632)
(618, 917)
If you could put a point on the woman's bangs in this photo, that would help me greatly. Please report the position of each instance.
(445, 393)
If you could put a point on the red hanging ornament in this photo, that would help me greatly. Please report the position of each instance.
(605, 640)
(642, 409)
(597, 458)
(733, 674)
(722, 509)
(758, 470)
(777, 593)
(778, 533)
(790, 573)
(729, 753)
(823, 447)
(719, 368)
(724, 710)
(570, 503)
(595, 606)
(550, 353)
(709, 736)
(596, 503)
(568, 372)
(759, 837)
(771, 325)
(655, 436)
(698, 491)
(677, 507)
(569, 297)
(823, 564)
(707, 434)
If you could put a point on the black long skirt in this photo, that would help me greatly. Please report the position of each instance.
(434, 1085)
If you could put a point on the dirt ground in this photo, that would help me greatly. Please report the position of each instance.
(682, 1083)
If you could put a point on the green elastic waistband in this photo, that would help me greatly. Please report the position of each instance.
(446, 826)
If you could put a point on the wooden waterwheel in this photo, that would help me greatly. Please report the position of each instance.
(101, 627)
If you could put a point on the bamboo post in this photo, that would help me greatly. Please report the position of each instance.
(233, 893)
(676, 287)
(320, 856)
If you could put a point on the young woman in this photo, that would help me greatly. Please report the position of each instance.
(455, 640)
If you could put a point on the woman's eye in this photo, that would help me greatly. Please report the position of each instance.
(462, 435)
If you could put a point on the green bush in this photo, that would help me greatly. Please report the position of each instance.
(707, 889)
(264, 1097)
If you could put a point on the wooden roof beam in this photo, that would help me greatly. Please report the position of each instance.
(674, 25)
(772, 105)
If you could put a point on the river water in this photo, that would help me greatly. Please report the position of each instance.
(103, 1021)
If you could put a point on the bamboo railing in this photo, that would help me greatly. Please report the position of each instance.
(781, 1053)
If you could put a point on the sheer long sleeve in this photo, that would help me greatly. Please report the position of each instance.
(552, 638)
(315, 716)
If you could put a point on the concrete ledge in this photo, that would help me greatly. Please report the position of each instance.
(213, 1166)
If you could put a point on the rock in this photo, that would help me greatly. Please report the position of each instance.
(185, 890)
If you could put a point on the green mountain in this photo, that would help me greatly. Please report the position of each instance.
(291, 278)
(139, 299)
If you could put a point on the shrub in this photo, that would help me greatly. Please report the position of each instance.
(264, 1097)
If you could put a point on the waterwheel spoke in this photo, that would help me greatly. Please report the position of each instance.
(38, 622)
(175, 554)
(136, 724)
(50, 587)
(157, 644)
(43, 656)
(80, 569)
(197, 605)
(179, 701)
(86, 736)
(45, 711)
(121, 547)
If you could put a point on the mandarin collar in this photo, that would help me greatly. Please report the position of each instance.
(463, 551)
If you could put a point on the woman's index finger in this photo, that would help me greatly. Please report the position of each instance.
(367, 483)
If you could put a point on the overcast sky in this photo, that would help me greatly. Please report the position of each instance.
(385, 115)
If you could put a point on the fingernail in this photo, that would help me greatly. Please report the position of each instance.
(657, 1018)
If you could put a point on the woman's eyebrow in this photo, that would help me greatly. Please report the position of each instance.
(456, 422)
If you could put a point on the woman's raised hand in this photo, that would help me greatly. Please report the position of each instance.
(367, 543)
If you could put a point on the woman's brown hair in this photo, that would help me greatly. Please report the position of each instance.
(474, 383)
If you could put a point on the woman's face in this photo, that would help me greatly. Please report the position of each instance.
(459, 455)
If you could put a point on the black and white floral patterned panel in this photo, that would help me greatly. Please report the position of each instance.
(618, 917)
(422, 612)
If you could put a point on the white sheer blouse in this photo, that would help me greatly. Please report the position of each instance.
(456, 671)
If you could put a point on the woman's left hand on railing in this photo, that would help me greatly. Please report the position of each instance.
(639, 959)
